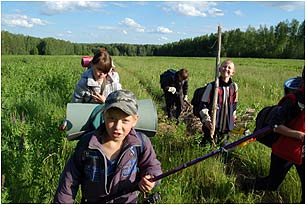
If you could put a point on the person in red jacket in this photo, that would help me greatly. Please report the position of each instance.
(289, 149)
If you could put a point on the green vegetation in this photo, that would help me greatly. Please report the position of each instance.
(35, 90)
(285, 40)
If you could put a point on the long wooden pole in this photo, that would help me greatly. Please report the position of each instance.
(240, 142)
(214, 106)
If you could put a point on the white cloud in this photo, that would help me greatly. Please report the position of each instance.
(194, 8)
(106, 28)
(38, 21)
(285, 5)
(21, 21)
(181, 33)
(130, 23)
(119, 4)
(162, 29)
(124, 32)
(55, 7)
(215, 12)
(141, 30)
(189, 10)
(238, 13)
(163, 38)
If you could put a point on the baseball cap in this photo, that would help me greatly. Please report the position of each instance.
(125, 100)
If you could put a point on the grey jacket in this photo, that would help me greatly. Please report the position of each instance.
(87, 84)
(88, 164)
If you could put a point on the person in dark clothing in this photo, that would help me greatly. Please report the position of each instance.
(176, 92)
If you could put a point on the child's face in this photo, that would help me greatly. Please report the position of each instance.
(227, 69)
(118, 123)
(98, 74)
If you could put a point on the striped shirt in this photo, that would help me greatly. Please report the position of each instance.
(227, 104)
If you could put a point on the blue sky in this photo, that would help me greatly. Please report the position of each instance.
(141, 22)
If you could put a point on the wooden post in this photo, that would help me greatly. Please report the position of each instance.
(214, 106)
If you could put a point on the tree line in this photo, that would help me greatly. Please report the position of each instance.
(285, 40)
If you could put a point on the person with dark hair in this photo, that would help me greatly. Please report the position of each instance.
(175, 89)
(110, 163)
(98, 81)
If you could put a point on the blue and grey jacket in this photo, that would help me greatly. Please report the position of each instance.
(87, 167)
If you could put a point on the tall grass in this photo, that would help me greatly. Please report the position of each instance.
(36, 89)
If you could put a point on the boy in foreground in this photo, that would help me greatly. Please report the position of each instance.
(107, 161)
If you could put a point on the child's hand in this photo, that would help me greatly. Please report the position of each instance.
(98, 97)
(208, 124)
(63, 126)
(145, 185)
(172, 90)
(300, 136)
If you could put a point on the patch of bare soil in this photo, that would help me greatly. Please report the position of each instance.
(193, 123)
(163, 127)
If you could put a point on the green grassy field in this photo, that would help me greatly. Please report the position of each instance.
(36, 89)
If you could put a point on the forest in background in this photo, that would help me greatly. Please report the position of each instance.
(285, 40)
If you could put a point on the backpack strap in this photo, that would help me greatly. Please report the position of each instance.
(142, 138)
(291, 97)
(84, 140)
(207, 95)
(95, 119)
(234, 86)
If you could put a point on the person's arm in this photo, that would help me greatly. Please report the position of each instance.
(235, 101)
(69, 182)
(282, 129)
(149, 166)
(286, 113)
(81, 93)
(168, 83)
(185, 88)
(205, 104)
